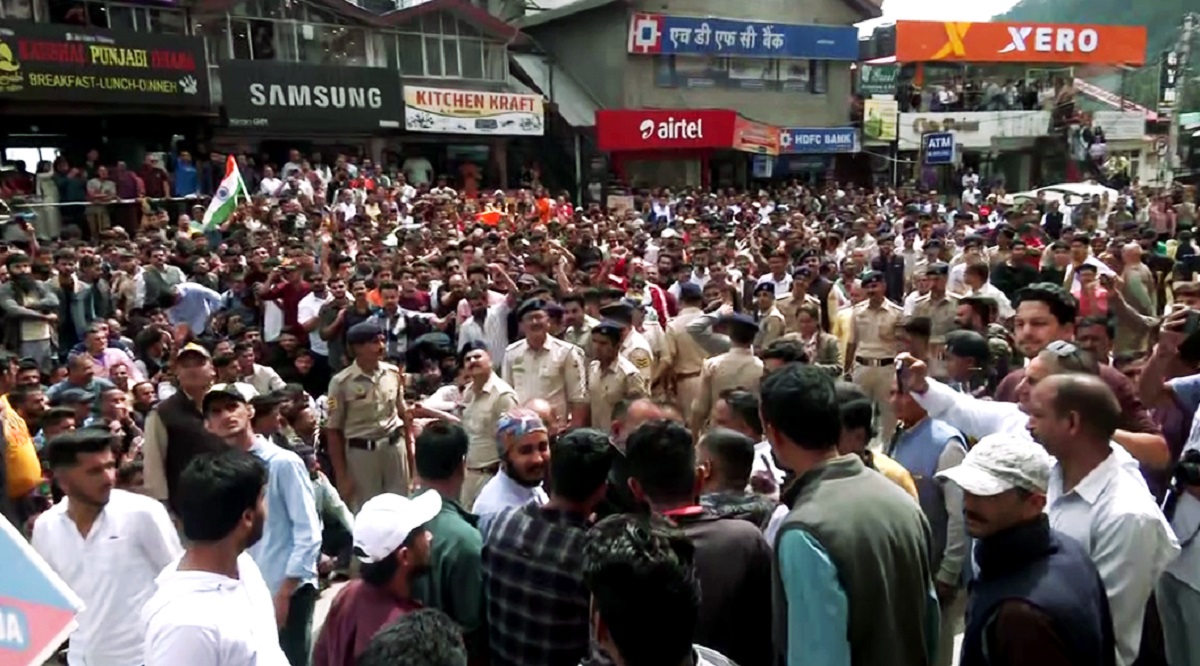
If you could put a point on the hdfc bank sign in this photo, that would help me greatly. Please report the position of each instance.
(658, 129)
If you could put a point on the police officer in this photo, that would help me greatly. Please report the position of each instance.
(771, 324)
(683, 359)
(791, 303)
(941, 308)
(736, 368)
(611, 377)
(368, 423)
(541, 366)
(634, 345)
(872, 346)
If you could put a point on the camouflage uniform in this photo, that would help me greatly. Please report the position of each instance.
(1002, 354)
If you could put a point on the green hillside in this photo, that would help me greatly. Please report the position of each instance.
(1162, 19)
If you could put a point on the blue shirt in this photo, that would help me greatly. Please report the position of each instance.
(187, 181)
(291, 541)
(196, 304)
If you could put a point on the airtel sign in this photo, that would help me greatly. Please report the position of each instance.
(657, 129)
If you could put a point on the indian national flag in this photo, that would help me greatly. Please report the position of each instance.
(224, 202)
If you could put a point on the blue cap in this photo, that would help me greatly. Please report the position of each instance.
(871, 277)
(738, 320)
(690, 291)
(365, 331)
(619, 313)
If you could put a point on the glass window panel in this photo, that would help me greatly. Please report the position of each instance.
(495, 64)
(167, 21)
(242, 48)
(820, 76)
(466, 29)
(471, 51)
(119, 18)
(284, 41)
(433, 56)
(216, 36)
(262, 37)
(21, 10)
(412, 54)
(450, 57)
(431, 24)
(381, 49)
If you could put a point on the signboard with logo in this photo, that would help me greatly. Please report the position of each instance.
(43, 62)
(878, 79)
(619, 130)
(972, 129)
(1121, 125)
(879, 119)
(292, 96)
(472, 112)
(37, 609)
(938, 148)
(1168, 82)
(660, 34)
(817, 140)
(929, 41)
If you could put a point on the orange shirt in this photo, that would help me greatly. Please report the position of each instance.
(20, 455)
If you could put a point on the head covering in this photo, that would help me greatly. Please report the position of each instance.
(764, 287)
(967, 344)
(73, 396)
(937, 269)
(1002, 462)
(609, 329)
(871, 277)
(385, 522)
(239, 391)
(365, 331)
(740, 321)
(516, 423)
(529, 306)
(619, 313)
(690, 291)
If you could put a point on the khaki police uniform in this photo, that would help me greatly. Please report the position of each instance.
(607, 386)
(481, 412)
(790, 308)
(581, 336)
(368, 411)
(873, 334)
(635, 348)
(685, 358)
(771, 327)
(736, 368)
(556, 373)
(941, 313)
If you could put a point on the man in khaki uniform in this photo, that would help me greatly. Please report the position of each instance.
(486, 399)
(941, 307)
(736, 368)
(771, 324)
(871, 350)
(370, 438)
(634, 346)
(577, 324)
(611, 377)
(683, 359)
(789, 304)
(541, 366)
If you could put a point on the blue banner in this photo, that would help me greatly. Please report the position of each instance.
(817, 140)
(938, 148)
(689, 35)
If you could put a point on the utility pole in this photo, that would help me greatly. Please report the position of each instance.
(1183, 51)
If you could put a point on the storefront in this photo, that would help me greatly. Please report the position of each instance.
(474, 136)
(70, 89)
(685, 147)
(269, 106)
(1013, 148)
(808, 154)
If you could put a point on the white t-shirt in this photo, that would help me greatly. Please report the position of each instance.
(308, 308)
(206, 619)
(418, 170)
(113, 571)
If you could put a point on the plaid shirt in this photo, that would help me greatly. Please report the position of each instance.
(537, 605)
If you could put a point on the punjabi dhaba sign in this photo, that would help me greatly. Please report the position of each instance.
(60, 63)
(450, 111)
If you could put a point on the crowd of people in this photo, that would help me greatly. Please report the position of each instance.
(792, 425)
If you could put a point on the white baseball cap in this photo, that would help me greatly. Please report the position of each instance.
(385, 521)
(1002, 462)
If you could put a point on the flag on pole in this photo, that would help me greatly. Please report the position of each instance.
(224, 202)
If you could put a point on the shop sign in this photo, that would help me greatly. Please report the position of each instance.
(656, 129)
(972, 129)
(938, 148)
(293, 96)
(755, 137)
(1168, 82)
(878, 79)
(43, 62)
(448, 111)
(661, 34)
(926, 41)
(879, 119)
(818, 140)
(1121, 125)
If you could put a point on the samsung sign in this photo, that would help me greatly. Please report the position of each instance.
(310, 97)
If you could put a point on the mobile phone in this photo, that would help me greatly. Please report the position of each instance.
(901, 378)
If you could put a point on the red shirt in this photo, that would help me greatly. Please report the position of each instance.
(356, 614)
(288, 296)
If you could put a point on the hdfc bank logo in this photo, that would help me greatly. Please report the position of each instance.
(672, 129)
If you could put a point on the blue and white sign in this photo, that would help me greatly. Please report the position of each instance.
(817, 140)
(938, 147)
(690, 35)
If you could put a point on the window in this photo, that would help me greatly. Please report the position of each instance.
(333, 45)
(786, 75)
(471, 53)
(450, 59)
(115, 16)
(21, 10)
(119, 17)
(411, 50)
(167, 22)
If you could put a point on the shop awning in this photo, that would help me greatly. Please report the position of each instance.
(575, 104)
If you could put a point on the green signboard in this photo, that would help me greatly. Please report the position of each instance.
(878, 79)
